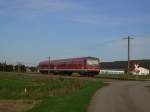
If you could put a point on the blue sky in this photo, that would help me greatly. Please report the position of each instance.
(31, 30)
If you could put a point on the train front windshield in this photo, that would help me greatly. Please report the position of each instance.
(92, 62)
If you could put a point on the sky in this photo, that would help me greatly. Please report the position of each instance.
(33, 30)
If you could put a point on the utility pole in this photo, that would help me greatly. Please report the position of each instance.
(3, 67)
(49, 64)
(4, 64)
(129, 39)
(149, 70)
(19, 64)
(18, 67)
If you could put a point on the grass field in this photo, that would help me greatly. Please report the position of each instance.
(36, 93)
(125, 76)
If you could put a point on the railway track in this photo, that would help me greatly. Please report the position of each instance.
(125, 79)
(102, 78)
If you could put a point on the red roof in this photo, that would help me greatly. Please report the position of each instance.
(69, 59)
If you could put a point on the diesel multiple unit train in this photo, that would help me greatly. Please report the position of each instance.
(83, 65)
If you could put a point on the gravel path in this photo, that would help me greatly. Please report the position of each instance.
(122, 96)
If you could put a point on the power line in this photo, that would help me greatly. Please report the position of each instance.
(97, 45)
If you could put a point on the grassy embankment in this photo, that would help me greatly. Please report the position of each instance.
(125, 76)
(45, 94)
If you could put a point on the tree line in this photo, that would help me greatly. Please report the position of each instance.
(124, 64)
(16, 68)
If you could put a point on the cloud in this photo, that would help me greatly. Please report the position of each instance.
(68, 10)
(37, 6)
(105, 19)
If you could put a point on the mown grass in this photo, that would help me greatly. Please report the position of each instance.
(55, 94)
(125, 76)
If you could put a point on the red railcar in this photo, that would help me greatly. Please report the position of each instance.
(84, 65)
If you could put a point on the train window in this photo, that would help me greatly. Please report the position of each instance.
(92, 62)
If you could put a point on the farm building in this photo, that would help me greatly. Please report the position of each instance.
(140, 70)
(111, 71)
(120, 67)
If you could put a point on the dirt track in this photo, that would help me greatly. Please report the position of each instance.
(122, 96)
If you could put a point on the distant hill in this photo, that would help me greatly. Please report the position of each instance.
(124, 64)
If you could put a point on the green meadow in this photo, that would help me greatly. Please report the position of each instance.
(22, 92)
(125, 76)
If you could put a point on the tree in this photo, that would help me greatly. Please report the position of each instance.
(9, 68)
(1, 67)
(20, 68)
(33, 69)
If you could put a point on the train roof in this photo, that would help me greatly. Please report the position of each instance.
(69, 59)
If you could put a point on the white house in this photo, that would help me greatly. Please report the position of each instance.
(140, 70)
